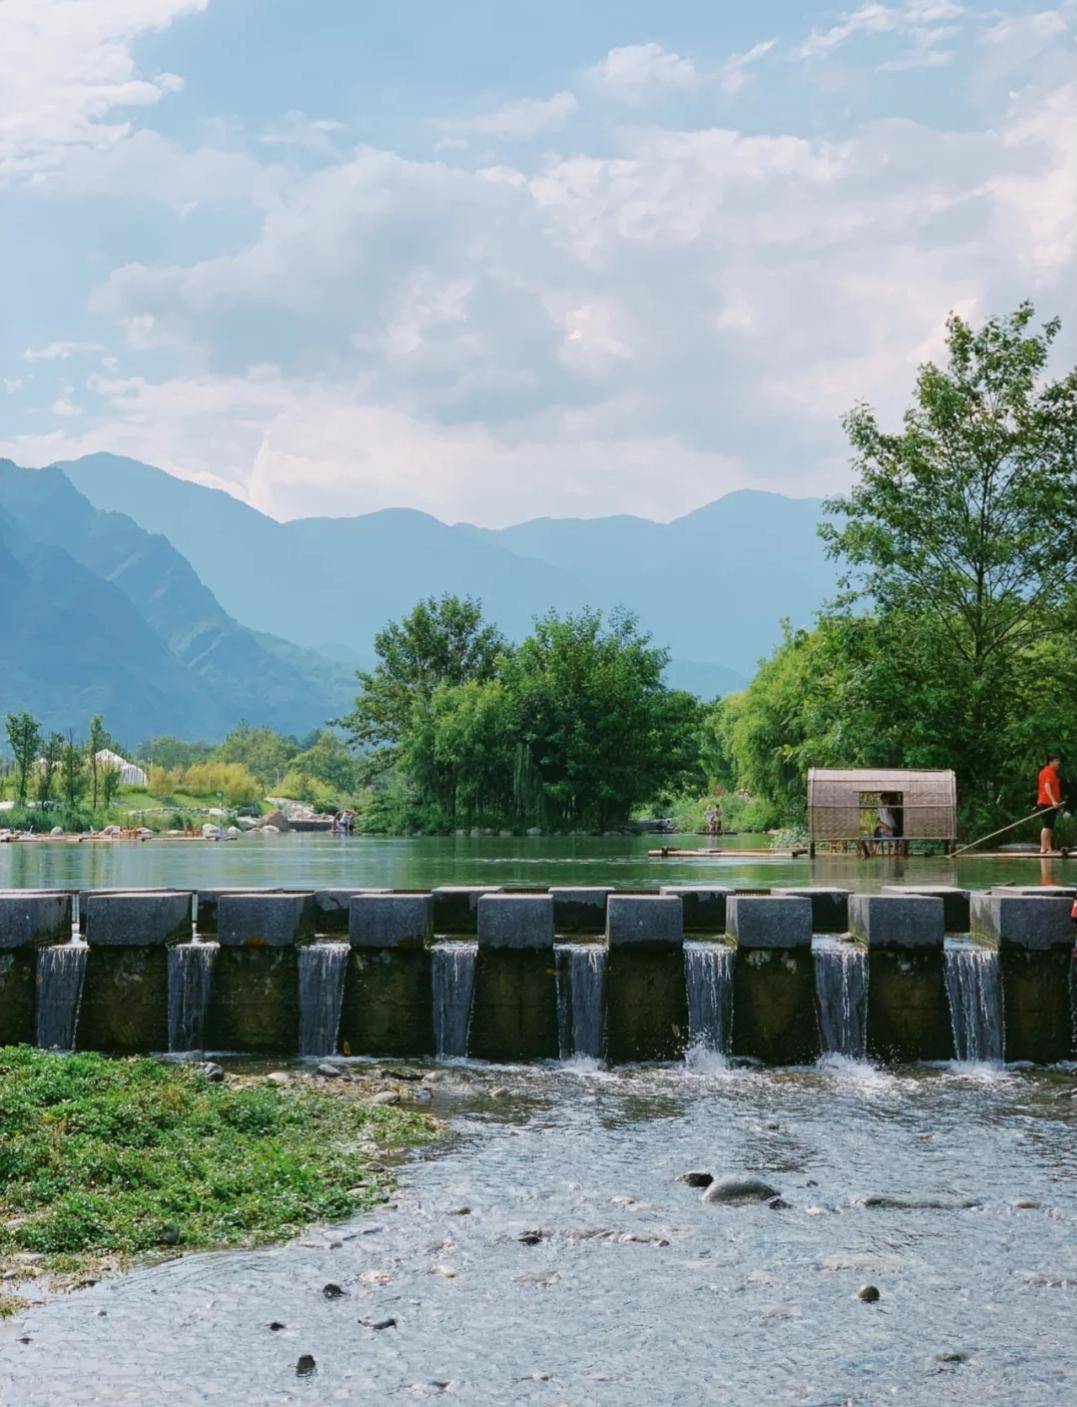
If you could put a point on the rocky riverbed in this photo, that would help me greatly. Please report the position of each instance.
(919, 1246)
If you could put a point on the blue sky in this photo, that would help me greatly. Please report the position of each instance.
(495, 261)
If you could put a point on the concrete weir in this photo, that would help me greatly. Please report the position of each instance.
(492, 974)
(908, 1009)
(1034, 937)
(773, 979)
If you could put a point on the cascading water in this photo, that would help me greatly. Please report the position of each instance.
(323, 968)
(60, 972)
(841, 993)
(190, 972)
(972, 986)
(708, 976)
(581, 999)
(453, 977)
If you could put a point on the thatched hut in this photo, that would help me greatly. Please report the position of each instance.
(844, 805)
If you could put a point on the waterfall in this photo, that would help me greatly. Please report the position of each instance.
(453, 977)
(972, 985)
(323, 968)
(581, 999)
(190, 972)
(60, 972)
(708, 976)
(841, 991)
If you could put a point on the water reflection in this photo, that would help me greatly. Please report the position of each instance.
(317, 861)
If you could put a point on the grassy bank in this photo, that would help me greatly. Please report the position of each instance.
(103, 1161)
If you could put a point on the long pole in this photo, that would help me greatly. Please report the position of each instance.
(1013, 825)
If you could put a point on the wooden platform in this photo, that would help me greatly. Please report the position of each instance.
(669, 853)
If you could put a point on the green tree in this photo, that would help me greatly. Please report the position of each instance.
(73, 772)
(52, 753)
(24, 737)
(328, 759)
(110, 783)
(963, 528)
(598, 732)
(265, 754)
(173, 754)
(444, 641)
(460, 752)
(96, 743)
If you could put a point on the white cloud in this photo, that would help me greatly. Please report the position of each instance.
(312, 134)
(61, 351)
(65, 408)
(639, 73)
(924, 20)
(736, 72)
(67, 71)
(13, 384)
(515, 122)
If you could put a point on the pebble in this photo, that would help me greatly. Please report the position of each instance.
(378, 1323)
(384, 1096)
(279, 1077)
(170, 1236)
(277, 1326)
(697, 1179)
(778, 1204)
(305, 1365)
(739, 1189)
(444, 1270)
(460, 1211)
(330, 1071)
(500, 1092)
(213, 1072)
(869, 1294)
(529, 1238)
(1024, 1205)
(951, 1356)
(332, 1291)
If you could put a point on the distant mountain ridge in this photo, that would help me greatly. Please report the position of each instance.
(713, 585)
(103, 616)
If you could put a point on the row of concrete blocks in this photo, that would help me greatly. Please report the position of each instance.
(375, 918)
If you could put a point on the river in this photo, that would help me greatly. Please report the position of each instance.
(323, 861)
(630, 1290)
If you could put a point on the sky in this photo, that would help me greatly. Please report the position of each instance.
(496, 261)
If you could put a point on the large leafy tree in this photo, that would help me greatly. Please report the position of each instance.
(960, 538)
(24, 737)
(444, 641)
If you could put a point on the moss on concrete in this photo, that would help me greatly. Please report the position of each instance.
(388, 1003)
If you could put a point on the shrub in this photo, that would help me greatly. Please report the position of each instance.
(230, 778)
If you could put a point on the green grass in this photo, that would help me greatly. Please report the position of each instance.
(121, 1158)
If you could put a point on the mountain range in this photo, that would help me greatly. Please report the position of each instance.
(169, 606)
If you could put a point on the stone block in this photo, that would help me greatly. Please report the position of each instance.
(515, 921)
(137, 920)
(456, 907)
(390, 920)
(264, 920)
(31, 918)
(955, 902)
(84, 896)
(388, 1002)
(644, 920)
(703, 906)
(774, 996)
(891, 921)
(254, 1001)
(829, 907)
(18, 992)
(124, 1007)
(908, 1013)
(1045, 891)
(1024, 921)
(579, 909)
(773, 921)
(331, 909)
(514, 1006)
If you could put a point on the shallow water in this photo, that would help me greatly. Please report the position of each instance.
(661, 1300)
(318, 861)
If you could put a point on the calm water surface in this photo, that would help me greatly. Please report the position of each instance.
(322, 860)
(638, 1293)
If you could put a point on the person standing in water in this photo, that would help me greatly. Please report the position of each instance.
(1049, 796)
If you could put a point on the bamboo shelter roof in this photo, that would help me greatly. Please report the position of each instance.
(928, 801)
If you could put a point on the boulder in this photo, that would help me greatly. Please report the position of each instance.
(739, 1189)
(277, 819)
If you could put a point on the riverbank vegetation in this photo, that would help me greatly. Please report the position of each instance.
(103, 1160)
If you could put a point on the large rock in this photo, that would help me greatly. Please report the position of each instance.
(278, 820)
(739, 1189)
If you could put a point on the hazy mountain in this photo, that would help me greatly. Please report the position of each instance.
(713, 585)
(122, 625)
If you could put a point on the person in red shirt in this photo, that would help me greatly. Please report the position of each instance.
(1049, 796)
